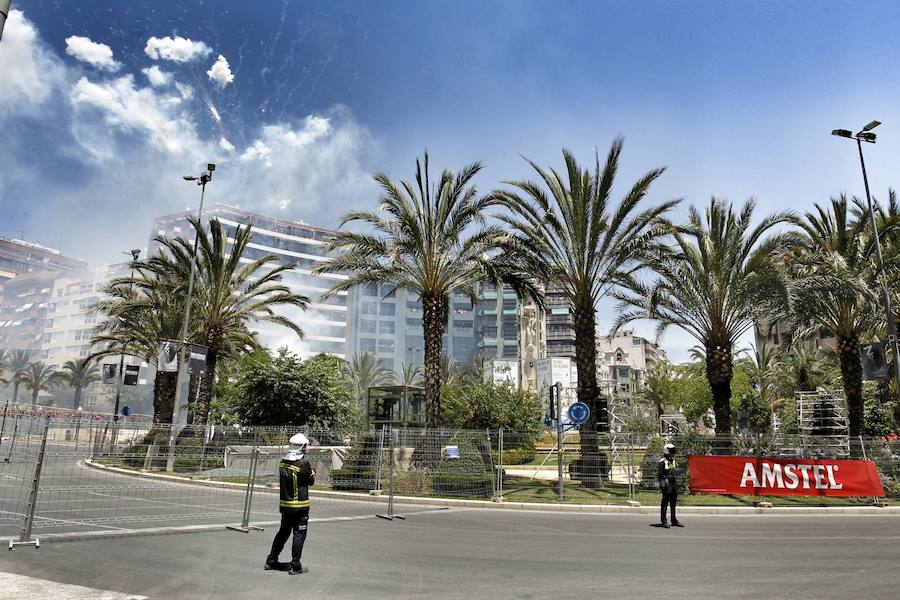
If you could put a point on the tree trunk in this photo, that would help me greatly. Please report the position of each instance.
(15, 398)
(719, 372)
(164, 385)
(434, 322)
(34, 395)
(851, 375)
(591, 464)
(76, 401)
(204, 397)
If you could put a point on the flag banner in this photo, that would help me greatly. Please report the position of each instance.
(132, 372)
(783, 476)
(168, 357)
(109, 373)
(874, 360)
(197, 360)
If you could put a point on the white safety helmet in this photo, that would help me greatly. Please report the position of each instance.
(298, 444)
(669, 448)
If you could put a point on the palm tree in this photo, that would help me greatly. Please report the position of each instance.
(17, 364)
(79, 374)
(363, 372)
(719, 275)
(40, 377)
(835, 287)
(656, 391)
(766, 370)
(410, 375)
(578, 242)
(229, 293)
(431, 240)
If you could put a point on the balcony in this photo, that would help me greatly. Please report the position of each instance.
(567, 335)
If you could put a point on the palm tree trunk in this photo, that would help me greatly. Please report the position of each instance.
(591, 463)
(719, 372)
(34, 395)
(201, 407)
(434, 321)
(15, 397)
(851, 375)
(76, 401)
(163, 396)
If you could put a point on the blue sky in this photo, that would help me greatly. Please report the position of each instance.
(737, 99)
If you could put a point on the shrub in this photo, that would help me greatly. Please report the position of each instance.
(358, 470)
(518, 456)
(465, 477)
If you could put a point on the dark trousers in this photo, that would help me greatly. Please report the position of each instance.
(669, 499)
(293, 521)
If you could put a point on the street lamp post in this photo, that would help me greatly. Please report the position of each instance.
(202, 180)
(866, 135)
(134, 255)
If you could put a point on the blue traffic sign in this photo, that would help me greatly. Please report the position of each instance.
(579, 413)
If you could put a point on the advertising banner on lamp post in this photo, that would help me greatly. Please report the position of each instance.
(197, 359)
(110, 371)
(783, 476)
(168, 357)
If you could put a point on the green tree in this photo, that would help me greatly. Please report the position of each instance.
(283, 390)
(834, 286)
(79, 374)
(721, 274)
(657, 391)
(429, 239)
(363, 372)
(17, 365)
(476, 404)
(580, 242)
(410, 375)
(40, 377)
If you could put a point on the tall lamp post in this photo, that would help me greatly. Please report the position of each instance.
(135, 254)
(866, 135)
(202, 180)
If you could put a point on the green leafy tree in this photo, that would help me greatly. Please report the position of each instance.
(363, 372)
(720, 275)
(18, 364)
(40, 377)
(79, 374)
(283, 390)
(429, 238)
(834, 287)
(657, 391)
(477, 404)
(567, 231)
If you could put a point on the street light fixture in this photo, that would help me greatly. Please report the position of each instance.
(866, 135)
(204, 178)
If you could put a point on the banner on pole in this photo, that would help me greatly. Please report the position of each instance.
(197, 360)
(168, 357)
(132, 372)
(874, 360)
(109, 373)
(783, 476)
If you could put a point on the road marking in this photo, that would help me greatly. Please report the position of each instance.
(23, 587)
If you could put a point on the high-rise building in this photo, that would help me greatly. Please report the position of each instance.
(325, 321)
(18, 257)
(560, 324)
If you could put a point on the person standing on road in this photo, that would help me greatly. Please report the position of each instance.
(295, 475)
(668, 484)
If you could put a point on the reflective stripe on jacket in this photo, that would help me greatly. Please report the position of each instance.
(295, 477)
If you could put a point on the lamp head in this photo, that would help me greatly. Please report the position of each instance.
(136, 253)
(866, 136)
(871, 125)
(210, 167)
(842, 133)
(189, 177)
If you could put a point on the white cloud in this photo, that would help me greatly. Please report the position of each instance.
(157, 77)
(258, 151)
(93, 53)
(186, 91)
(177, 49)
(131, 108)
(220, 72)
(30, 72)
(226, 145)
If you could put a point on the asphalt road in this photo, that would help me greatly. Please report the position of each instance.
(500, 554)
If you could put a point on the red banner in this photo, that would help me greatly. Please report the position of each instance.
(748, 475)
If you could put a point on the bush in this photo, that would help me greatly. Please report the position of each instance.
(518, 456)
(358, 470)
(464, 477)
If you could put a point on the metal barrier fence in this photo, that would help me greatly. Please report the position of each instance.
(89, 475)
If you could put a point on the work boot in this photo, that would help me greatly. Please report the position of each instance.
(664, 525)
(272, 564)
(676, 523)
(297, 569)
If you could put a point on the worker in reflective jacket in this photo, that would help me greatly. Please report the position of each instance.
(667, 475)
(295, 476)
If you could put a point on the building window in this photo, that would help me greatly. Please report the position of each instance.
(388, 309)
(369, 308)
(386, 327)
(386, 346)
(367, 326)
(90, 319)
(370, 290)
(366, 345)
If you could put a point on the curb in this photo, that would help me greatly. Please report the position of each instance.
(528, 506)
